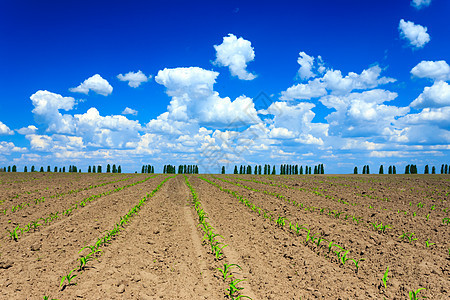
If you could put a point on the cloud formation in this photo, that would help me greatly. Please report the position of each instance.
(129, 111)
(94, 83)
(436, 70)
(4, 130)
(309, 66)
(438, 95)
(420, 3)
(134, 78)
(235, 53)
(416, 35)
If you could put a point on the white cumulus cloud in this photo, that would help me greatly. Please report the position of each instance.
(438, 95)
(436, 70)
(309, 66)
(4, 130)
(134, 78)
(420, 3)
(193, 98)
(235, 53)
(129, 111)
(416, 34)
(46, 111)
(94, 83)
(27, 130)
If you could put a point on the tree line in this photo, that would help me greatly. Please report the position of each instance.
(182, 169)
(409, 169)
(71, 169)
(284, 169)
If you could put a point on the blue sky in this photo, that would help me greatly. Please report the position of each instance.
(342, 83)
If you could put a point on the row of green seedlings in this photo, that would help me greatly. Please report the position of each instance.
(316, 191)
(34, 225)
(105, 240)
(234, 291)
(340, 252)
(413, 295)
(336, 214)
(312, 239)
(37, 201)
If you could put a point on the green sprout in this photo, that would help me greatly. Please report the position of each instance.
(233, 288)
(226, 269)
(357, 263)
(413, 295)
(385, 277)
(428, 244)
(69, 278)
(14, 234)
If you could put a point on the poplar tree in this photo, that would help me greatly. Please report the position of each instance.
(41, 169)
(407, 169)
(48, 169)
(273, 171)
(114, 169)
(223, 169)
(25, 169)
(119, 169)
(390, 170)
(381, 171)
(235, 170)
(355, 170)
(433, 170)
(108, 168)
(427, 171)
(32, 169)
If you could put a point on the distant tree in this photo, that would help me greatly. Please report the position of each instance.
(114, 169)
(442, 169)
(25, 169)
(89, 169)
(322, 170)
(48, 169)
(364, 169)
(99, 169)
(9, 168)
(446, 169)
(381, 171)
(355, 170)
(315, 169)
(256, 170)
(427, 171)
(108, 168)
(223, 169)
(367, 169)
(240, 169)
(390, 170)
(235, 170)
(394, 170)
(55, 169)
(301, 170)
(59, 169)
(433, 170)
(407, 169)
(249, 169)
(119, 169)
(41, 169)
(33, 169)
(265, 169)
(273, 171)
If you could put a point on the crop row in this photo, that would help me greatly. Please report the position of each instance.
(37, 201)
(18, 231)
(95, 249)
(375, 225)
(234, 291)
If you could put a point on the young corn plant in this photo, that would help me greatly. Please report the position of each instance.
(233, 289)
(226, 269)
(356, 262)
(69, 277)
(385, 277)
(14, 234)
(429, 244)
(414, 295)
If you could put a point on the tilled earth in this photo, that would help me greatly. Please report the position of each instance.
(160, 253)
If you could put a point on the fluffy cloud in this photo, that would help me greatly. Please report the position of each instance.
(335, 83)
(312, 89)
(420, 3)
(9, 147)
(129, 111)
(362, 114)
(134, 79)
(4, 130)
(436, 70)
(438, 95)
(435, 116)
(309, 66)
(416, 34)
(46, 111)
(193, 98)
(96, 84)
(27, 130)
(235, 53)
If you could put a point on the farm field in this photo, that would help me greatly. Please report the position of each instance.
(163, 236)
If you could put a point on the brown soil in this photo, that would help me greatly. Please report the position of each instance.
(159, 254)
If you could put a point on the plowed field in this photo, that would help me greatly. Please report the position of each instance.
(147, 236)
